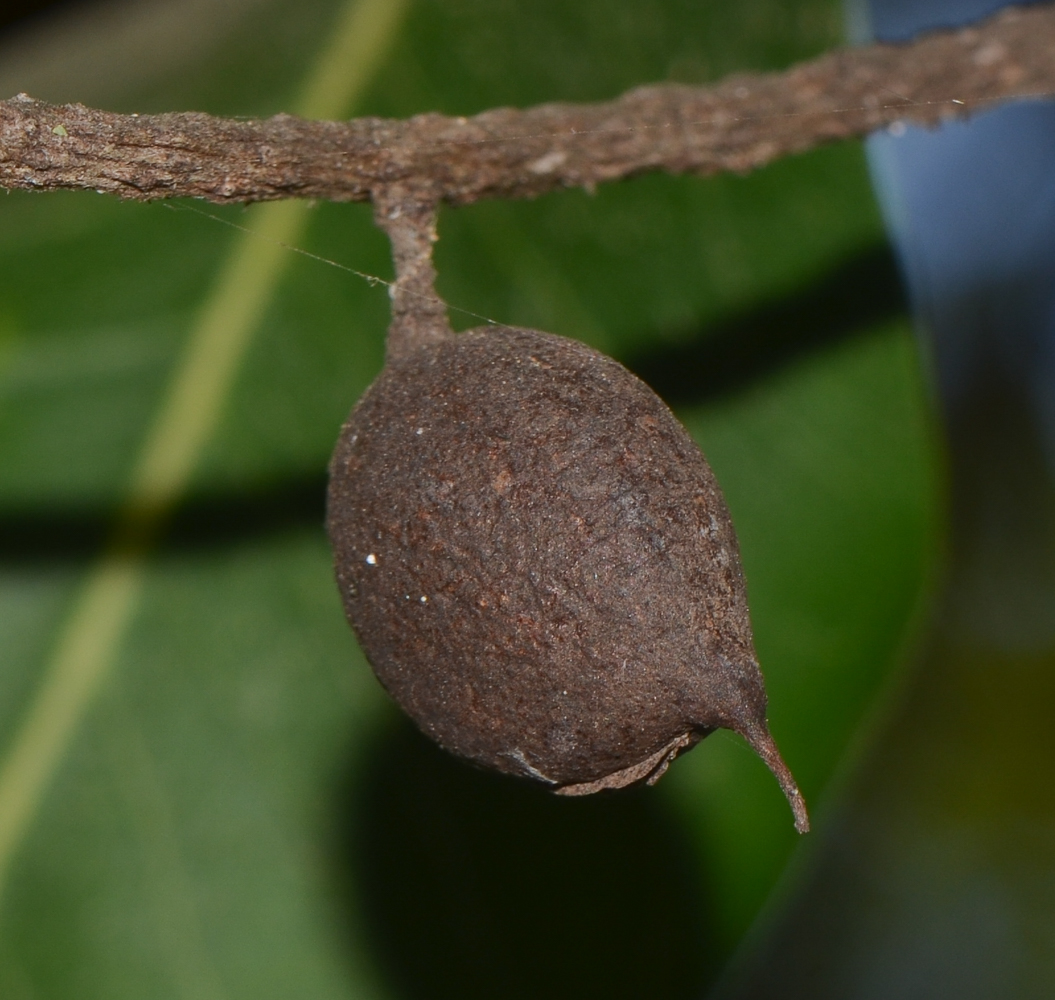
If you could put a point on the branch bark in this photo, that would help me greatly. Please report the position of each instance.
(739, 124)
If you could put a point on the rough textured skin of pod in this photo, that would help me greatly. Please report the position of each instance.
(538, 562)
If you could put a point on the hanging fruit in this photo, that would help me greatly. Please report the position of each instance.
(539, 564)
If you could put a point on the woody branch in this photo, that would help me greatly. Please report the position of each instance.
(739, 124)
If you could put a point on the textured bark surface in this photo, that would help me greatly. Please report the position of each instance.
(742, 123)
(540, 565)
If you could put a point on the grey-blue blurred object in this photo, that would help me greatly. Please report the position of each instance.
(933, 874)
(971, 210)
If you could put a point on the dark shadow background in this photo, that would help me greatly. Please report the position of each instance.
(702, 365)
(477, 885)
(13, 13)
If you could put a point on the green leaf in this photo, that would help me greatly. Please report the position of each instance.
(222, 803)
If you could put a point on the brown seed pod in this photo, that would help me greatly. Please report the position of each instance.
(540, 566)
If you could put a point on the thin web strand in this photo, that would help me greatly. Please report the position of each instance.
(371, 279)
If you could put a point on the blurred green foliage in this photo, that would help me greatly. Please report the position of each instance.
(230, 820)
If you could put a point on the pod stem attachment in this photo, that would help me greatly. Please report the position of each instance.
(765, 746)
(419, 315)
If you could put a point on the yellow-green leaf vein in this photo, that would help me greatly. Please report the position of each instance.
(91, 635)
